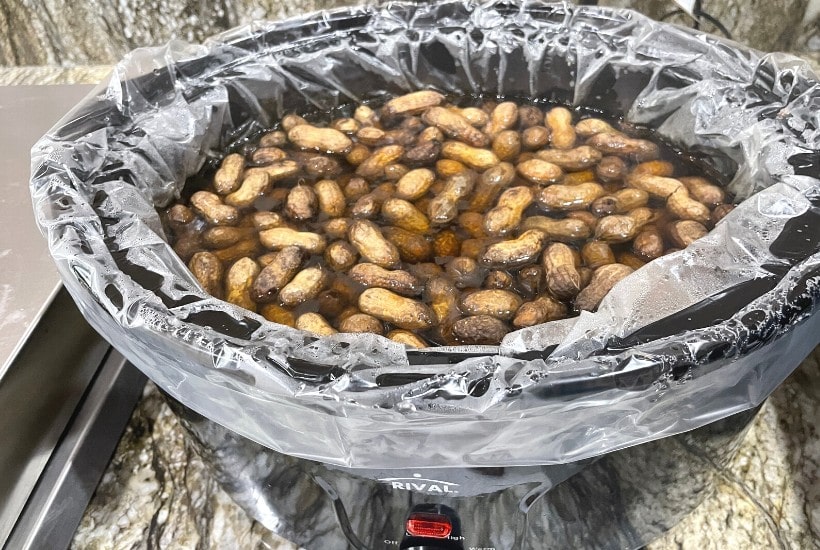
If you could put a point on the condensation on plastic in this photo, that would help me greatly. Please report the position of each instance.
(686, 340)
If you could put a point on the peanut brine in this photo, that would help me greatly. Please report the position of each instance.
(434, 224)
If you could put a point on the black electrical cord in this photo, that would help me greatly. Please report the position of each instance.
(698, 14)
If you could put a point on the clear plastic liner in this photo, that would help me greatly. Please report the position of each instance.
(688, 339)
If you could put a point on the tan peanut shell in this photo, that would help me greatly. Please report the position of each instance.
(361, 322)
(682, 206)
(265, 155)
(291, 120)
(346, 125)
(276, 171)
(277, 314)
(253, 186)
(444, 207)
(535, 137)
(657, 186)
(400, 213)
(541, 310)
(409, 339)
(340, 256)
(455, 126)
(209, 206)
(280, 237)
(562, 132)
(414, 184)
(661, 168)
(506, 216)
(603, 279)
(324, 140)
(480, 330)
(464, 272)
(563, 280)
(412, 103)
(610, 169)
(529, 116)
(566, 230)
(277, 138)
(229, 176)
(412, 247)
(315, 323)
(703, 191)
(622, 146)
(368, 239)
(720, 212)
(276, 274)
(302, 203)
(490, 184)
(247, 247)
(337, 228)
(629, 259)
(503, 117)
(180, 215)
(579, 158)
(373, 166)
(515, 252)
(591, 126)
(597, 253)
(685, 232)
(501, 304)
(498, 280)
(369, 205)
(561, 198)
(305, 285)
(507, 145)
(331, 199)
(267, 220)
(397, 310)
(208, 271)
(397, 280)
(539, 171)
(238, 282)
(478, 159)
(223, 236)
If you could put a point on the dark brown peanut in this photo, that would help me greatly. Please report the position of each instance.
(611, 169)
(498, 280)
(597, 253)
(412, 247)
(490, 184)
(208, 271)
(529, 116)
(648, 244)
(563, 280)
(531, 280)
(464, 272)
(279, 272)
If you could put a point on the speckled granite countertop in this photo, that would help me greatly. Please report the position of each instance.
(156, 492)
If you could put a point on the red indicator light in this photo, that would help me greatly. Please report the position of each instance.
(433, 526)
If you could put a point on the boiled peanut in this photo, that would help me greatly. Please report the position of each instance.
(324, 140)
(464, 272)
(586, 275)
(340, 256)
(399, 281)
(657, 186)
(501, 304)
(530, 280)
(619, 144)
(431, 133)
(414, 184)
(305, 285)
(180, 215)
(446, 168)
(397, 310)
(540, 310)
(365, 116)
(253, 186)
(276, 171)
(331, 302)
(291, 120)
(566, 230)
(591, 126)
(346, 125)
(358, 154)
(597, 253)
(361, 322)
(337, 228)
(229, 176)
(603, 279)
(529, 116)
(412, 247)
(224, 236)
(403, 214)
(370, 135)
(276, 138)
(315, 323)
(373, 167)
(247, 247)
(648, 244)
(453, 125)
(425, 271)
(369, 205)
(446, 243)
(331, 198)
(579, 158)
(301, 203)
(629, 259)
(560, 198)
(478, 159)
(395, 171)
(503, 117)
(474, 116)
(703, 191)
(409, 339)
(412, 103)
(422, 153)
(472, 248)
(539, 171)
(280, 237)
(629, 199)
(472, 223)
(490, 184)
(687, 208)
(655, 168)
(516, 252)
(279, 272)
(208, 271)
(210, 207)
(622, 228)
(238, 282)
(498, 280)
(266, 155)
(356, 188)
(535, 137)
(577, 178)
(506, 216)
(320, 166)
(584, 216)
(443, 298)
(277, 314)
(563, 280)
(507, 145)
(267, 220)
(371, 244)
(444, 207)
(611, 169)
(480, 330)
(685, 232)
(559, 122)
